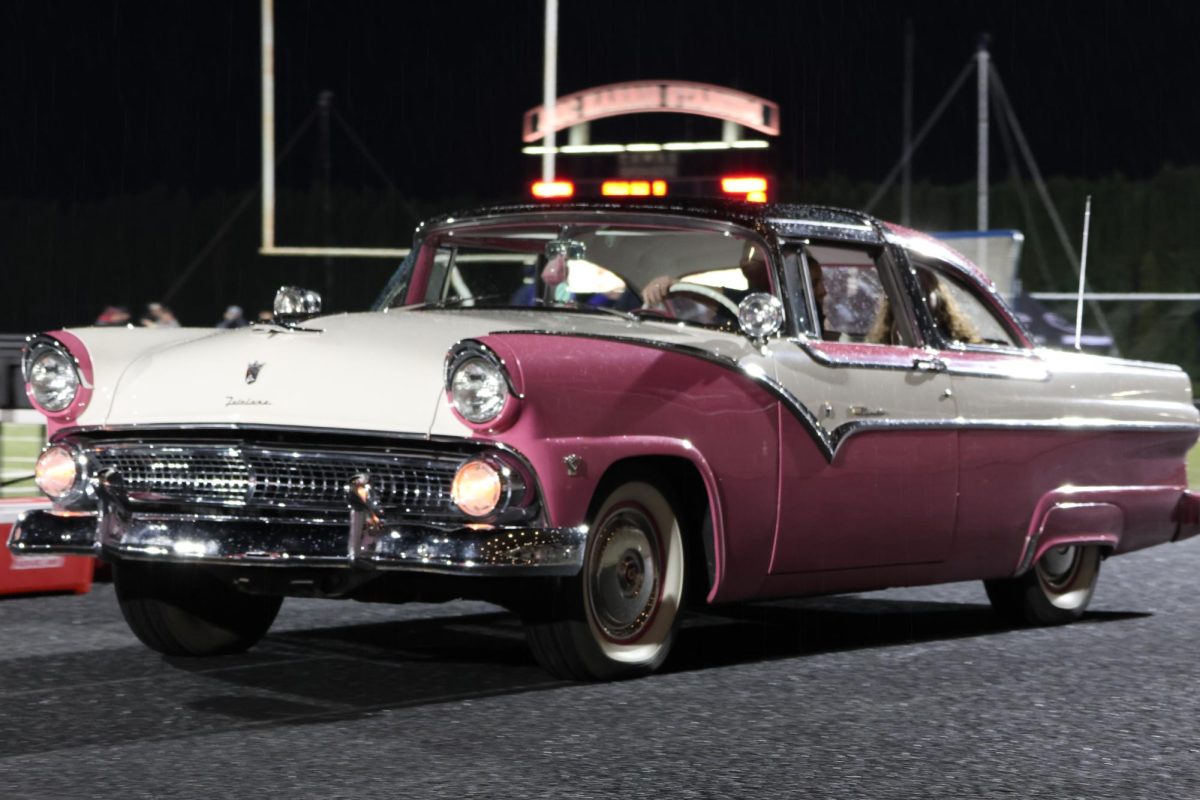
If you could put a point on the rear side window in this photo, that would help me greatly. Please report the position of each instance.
(961, 316)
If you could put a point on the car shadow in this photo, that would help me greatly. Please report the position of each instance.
(751, 632)
(89, 697)
(346, 672)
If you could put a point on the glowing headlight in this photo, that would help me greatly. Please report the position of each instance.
(52, 378)
(59, 474)
(478, 389)
(477, 489)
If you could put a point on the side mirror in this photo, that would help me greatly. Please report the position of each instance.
(760, 315)
(293, 304)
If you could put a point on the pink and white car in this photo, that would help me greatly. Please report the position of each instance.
(598, 415)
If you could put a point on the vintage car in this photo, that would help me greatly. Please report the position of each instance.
(598, 415)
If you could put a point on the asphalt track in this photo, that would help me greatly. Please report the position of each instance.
(908, 694)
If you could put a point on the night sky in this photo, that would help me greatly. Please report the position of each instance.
(105, 97)
(130, 130)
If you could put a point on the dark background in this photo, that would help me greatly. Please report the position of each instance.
(131, 130)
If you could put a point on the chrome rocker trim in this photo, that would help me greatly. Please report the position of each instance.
(357, 543)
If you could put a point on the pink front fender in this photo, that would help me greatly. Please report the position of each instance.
(604, 401)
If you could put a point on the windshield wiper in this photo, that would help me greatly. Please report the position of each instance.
(461, 302)
(575, 305)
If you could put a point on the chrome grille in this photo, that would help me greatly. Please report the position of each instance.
(275, 476)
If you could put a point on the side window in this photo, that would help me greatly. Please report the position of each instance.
(962, 317)
(850, 296)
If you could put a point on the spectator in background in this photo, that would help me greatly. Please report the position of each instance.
(233, 318)
(159, 316)
(265, 317)
(113, 317)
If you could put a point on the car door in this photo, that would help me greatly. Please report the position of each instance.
(1008, 402)
(883, 490)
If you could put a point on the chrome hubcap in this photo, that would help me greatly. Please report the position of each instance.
(1057, 567)
(624, 583)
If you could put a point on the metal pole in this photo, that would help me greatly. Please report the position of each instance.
(1087, 223)
(550, 89)
(906, 133)
(924, 130)
(324, 108)
(981, 183)
(268, 124)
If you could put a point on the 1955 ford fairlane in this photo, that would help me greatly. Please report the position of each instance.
(597, 415)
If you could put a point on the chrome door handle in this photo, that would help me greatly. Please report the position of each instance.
(864, 411)
(931, 364)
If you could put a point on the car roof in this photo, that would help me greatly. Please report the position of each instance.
(782, 218)
(796, 220)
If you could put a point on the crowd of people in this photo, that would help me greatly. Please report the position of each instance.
(157, 315)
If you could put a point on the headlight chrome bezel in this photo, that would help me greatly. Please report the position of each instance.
(512, 486)
(41, 347)
(475, 355)
(80, 488)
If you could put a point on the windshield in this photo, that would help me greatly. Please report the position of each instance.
(696, 276)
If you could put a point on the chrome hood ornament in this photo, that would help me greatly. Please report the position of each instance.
(252, 370)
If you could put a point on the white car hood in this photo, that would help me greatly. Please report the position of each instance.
(367, 371)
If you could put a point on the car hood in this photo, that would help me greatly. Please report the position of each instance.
(367, 371)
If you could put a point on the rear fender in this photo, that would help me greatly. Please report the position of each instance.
(1073, 522)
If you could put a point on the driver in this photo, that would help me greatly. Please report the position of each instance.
(753, 265)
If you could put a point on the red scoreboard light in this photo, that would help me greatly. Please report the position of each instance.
(553, 190)
(633, 188)
(751, 187)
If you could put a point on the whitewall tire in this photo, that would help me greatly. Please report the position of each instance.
(1056, 590)
(618, 617)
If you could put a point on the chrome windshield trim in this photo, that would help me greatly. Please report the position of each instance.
(861, 232)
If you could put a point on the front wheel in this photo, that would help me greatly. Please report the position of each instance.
(1057, 590)
(617, 618)
(181, 610)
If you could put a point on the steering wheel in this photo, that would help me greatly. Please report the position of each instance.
(707, 292)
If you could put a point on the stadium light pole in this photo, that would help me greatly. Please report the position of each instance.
(550, 88)
(981, 184)
(268, 125)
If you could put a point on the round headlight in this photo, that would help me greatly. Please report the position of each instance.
(53, 379)
(478, 389)
(58, 473)
(477, 488)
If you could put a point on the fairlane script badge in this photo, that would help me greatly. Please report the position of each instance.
(252, 370)
(238, 401)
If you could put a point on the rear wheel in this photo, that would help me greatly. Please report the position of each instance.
(1057, 590)
(618, 617)
(181, 610)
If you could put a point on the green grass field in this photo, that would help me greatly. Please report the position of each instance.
(1193, 464)
(19, 448)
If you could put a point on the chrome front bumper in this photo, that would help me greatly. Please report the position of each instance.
(360, 541)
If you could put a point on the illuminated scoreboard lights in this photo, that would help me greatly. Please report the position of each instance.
(752, 188)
